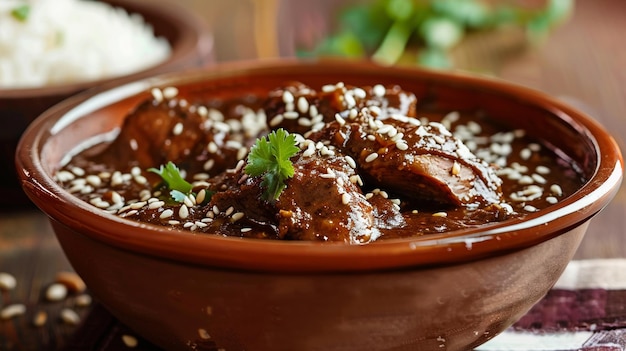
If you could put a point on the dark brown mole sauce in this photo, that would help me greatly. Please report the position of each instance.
(114, 176)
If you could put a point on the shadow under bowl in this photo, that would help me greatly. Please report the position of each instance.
(449, 291)
(192, 47)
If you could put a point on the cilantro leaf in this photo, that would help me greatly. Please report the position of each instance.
(175, 182)
(270, 158)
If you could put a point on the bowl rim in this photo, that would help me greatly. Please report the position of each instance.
(195, 43)
(312, 257)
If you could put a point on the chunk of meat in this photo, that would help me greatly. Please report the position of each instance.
(321, 203)
(300, 109)
(194, 139)
(423, 162)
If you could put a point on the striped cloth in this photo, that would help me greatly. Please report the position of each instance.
(585, 311)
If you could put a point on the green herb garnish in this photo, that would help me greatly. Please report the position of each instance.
(270, 157)
(21, 13)
(179, 187)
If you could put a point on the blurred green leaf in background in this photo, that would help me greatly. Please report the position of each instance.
(384, 30)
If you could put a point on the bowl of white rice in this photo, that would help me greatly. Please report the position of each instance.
(52, 49)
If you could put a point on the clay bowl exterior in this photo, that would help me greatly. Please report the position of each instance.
(185, 291)
(192, 46)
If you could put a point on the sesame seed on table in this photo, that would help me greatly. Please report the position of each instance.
(581, 62)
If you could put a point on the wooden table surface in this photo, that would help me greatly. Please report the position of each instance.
(583, 62)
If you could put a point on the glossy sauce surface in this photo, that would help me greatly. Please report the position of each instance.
(373, 164)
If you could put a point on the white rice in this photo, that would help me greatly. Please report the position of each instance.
(63, 41)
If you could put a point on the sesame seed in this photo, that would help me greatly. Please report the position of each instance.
(525, 180)
(276, 120)
(173, 222)
(166, 214)
(69, 316)
(345, 198)
(229, 211)
(303, 105)
(208, 165)
(157, 94)
(340, 119)
(309, 151)
(242, 152)
(326, 151)
(384, 129)
(329, 88)
(203, 111)
(188, 201)
(529, 208)
(245, 230)
(291, 115)
(371, 157)
(145, 194)
(78, 171)
(129, 341)
(170, 92)
(525, 154)
(237, 216)
(542, 170)
(156, 204)
(239, 165)
(138, 205)
(94, 180)
(551, 200)
(140, 179)
(538, 178)
(183, 212)
(305, 122)
(402, 145)
(330, 174)
(350, 101)
(212, 147)
(116, 197)
(129, 213)
(556, 190)
(203, 334)
(7, 281)
(379, 90)
(353, 113)
(350, 161)
(178, 129)
(56, 292)
(201, 196)
(313, 112)
(440, 214)
(12, 311)
(287, 97)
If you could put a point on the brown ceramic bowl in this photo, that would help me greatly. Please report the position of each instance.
(447, 291)
(192, 46)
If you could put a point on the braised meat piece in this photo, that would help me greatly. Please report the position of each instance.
(321, 202)
(423, 162)
(300, 109)
(196, 139)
